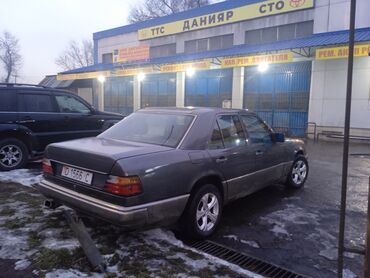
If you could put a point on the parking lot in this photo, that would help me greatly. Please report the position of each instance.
(294, 229)
(299, 229)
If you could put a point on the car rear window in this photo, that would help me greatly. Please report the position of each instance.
(151, 128)
(8, 102)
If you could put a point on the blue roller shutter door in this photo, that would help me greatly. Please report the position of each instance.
(118, 95)
(158, 90)
(208, 88)
(280, 95)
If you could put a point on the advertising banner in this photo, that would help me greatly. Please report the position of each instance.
(252, 11)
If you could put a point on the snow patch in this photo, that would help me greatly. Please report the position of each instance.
(329, 253)
(26, 177)
(196, 264)
(251, 243)
(12, 246)
(348, 274)
(233, 237)
(160, 234)
(22, 264)
(326, 239)
(57, 243)
(71, 273)
(292, 215)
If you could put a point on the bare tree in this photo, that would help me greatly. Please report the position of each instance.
(10, 55)
(76, 55)
(157, 8)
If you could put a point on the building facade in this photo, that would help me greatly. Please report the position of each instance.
(284, 59)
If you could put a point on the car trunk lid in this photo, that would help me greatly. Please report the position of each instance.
(98, 154)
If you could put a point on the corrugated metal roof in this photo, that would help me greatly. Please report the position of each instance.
(52, 82)
(315, 40)
(214, 8)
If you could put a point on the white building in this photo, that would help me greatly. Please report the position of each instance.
(284, 59)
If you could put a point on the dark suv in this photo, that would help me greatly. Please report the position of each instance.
(31, 117)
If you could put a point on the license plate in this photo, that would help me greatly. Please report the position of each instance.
(77, 174)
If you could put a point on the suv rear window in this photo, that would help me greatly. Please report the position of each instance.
(8, 101)
(35, 103)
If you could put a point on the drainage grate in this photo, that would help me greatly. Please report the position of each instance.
(245, 261)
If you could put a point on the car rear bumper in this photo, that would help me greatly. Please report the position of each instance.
(160, 212)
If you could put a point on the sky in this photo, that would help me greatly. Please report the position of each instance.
(45, 27)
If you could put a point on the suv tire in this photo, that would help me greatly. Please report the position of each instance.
(203, 212)
(13, 154)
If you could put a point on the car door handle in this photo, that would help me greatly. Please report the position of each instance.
(259, 153)
(26, 120)
(221, 159)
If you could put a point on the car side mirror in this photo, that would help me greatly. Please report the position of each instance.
(278, 137)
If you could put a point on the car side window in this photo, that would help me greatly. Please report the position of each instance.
(68, 104)
(8, 101)
(231, 130)
(258, 132)
(35, 103)
(216, 141)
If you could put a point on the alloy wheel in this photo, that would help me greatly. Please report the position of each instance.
(10, 156)
(299, 172)
(208, 211)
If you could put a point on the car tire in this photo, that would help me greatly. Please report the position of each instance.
(13, 154)
(203, 212)
(298, 173)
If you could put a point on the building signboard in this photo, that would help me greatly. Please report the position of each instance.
(245, 61)
(201, 65)
(113, 73)
(251, 11)
(129, 54)
(341, 52)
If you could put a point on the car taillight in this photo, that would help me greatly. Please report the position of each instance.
(46, 167)
(124, 186)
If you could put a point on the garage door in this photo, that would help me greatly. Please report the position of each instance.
(118, 95)
(158, 90)
(208, 88)
(280, 95)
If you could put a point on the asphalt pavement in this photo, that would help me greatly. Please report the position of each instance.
(298, 229)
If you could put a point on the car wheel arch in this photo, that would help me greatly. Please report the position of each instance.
(21, 136)
(299, 153)
(213, 179)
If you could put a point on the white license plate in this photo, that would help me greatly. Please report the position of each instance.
(77, 175)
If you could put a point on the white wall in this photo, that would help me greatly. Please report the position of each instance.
(328, 92)
(333, 15)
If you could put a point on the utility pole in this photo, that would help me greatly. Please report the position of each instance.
(347, 123)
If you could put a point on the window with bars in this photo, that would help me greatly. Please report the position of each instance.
(107, 58)
(163, 50)
(212, 43)
(279, 33)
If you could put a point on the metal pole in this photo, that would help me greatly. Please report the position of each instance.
(367, 247)
(346, 140)
(88, 246)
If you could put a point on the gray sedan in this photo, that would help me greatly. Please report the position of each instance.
(160, 166)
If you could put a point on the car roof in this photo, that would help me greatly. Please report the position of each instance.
(29, 87)
(192, 110)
